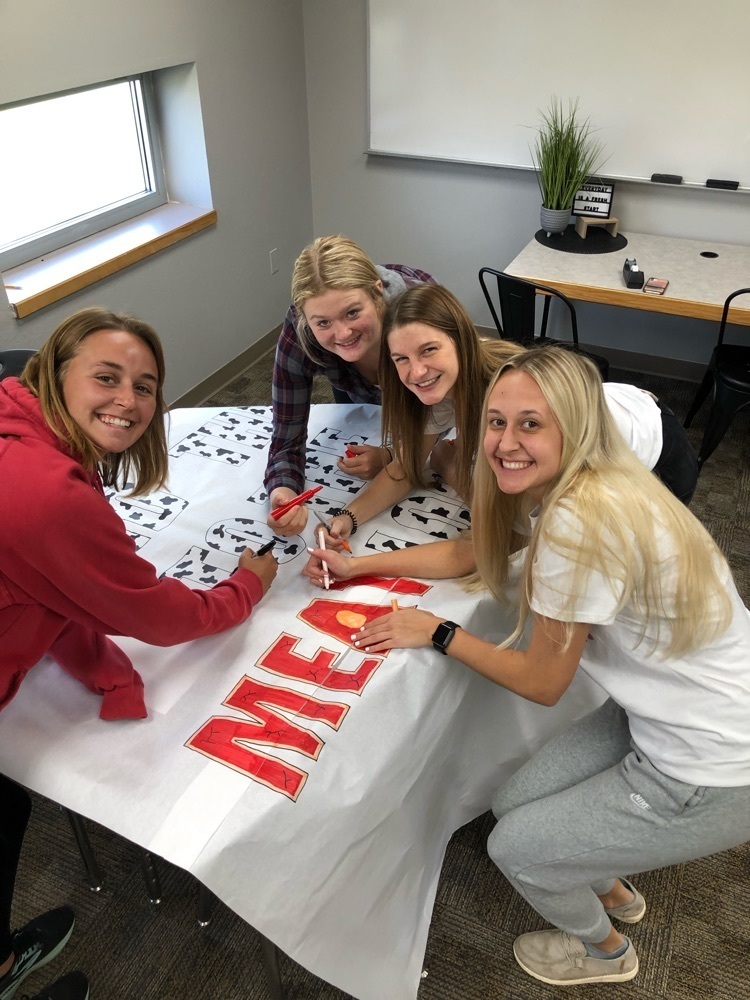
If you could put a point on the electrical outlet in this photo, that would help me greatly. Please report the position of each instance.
(273, 257)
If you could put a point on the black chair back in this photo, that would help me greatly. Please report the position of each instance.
(517, 301)
(727, 379)
(514, 312)
(13, 362)
(725, 312)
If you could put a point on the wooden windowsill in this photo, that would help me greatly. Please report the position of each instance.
(50, 278)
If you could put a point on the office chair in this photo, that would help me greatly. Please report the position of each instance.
(728, 374)
(516, 315)
(13, 362)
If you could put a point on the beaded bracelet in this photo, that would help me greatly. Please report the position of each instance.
(345, 510)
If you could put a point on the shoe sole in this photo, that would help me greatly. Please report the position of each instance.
(616, 977)
(630, 919)
(621, 912)
(40, 965)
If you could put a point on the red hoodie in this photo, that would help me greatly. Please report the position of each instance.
(70, 574)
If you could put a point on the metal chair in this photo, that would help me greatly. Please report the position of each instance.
(13, 362)
(514, 312)
(728, 374)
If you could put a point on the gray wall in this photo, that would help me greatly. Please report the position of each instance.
(454, 219)
(270, 72)
(212, 295)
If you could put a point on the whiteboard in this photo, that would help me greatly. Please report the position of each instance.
(666, 83)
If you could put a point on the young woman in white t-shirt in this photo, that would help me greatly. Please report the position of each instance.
(621, 579)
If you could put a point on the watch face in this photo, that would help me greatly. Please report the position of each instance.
(443, 635)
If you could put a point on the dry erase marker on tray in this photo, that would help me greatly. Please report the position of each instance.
(666, 178)
(715, 182)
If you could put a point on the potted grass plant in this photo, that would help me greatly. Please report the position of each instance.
(565, 154)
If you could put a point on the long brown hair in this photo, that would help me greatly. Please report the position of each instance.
(404, 416)
(43, 375)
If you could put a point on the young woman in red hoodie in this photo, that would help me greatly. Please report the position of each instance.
(87, 412)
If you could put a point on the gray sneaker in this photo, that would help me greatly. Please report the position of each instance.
(632, 912)
(560, 959)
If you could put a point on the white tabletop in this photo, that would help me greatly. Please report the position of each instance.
(323, 824)
(698, 285)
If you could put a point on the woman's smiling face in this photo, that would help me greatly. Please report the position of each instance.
(426, 361)
(109, 389)
(522, 440)
(345, 322)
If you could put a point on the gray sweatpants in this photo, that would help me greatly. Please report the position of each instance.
(591, 806)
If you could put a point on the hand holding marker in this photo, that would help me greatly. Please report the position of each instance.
(302, 498)
(265, 548)
(327, 526)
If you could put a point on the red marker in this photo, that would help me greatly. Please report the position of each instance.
(302, 498)
(350, 453)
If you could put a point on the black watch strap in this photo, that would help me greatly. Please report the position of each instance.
(443, 635)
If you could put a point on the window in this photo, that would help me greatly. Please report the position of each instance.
(74, 164)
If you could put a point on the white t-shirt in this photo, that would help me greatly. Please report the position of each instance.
(638, 419)
(690, 715)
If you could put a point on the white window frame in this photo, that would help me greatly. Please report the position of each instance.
(104, 218)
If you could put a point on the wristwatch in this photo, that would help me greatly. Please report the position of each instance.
(442, 636)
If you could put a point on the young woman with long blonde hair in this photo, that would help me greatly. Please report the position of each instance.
(619, 578)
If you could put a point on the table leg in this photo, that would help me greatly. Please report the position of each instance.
(84, 846)
(205, 905)
(151, 875)
(271, 963)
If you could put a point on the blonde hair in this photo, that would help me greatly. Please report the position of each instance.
(623, 508)
(44, 374)
(331, 262)
(404, 416)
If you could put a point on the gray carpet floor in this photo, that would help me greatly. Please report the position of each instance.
(693, 944)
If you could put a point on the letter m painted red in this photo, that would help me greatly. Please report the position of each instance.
(225, 739)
